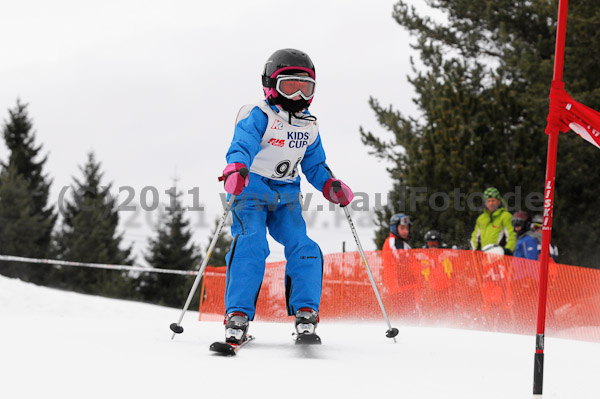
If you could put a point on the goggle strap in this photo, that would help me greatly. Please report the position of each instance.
(269, 82)
(272, 82)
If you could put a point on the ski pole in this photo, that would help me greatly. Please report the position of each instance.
(176, 327)
(391, 332)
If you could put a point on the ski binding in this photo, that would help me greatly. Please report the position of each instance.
(227, 348)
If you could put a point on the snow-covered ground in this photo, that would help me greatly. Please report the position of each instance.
(56, 344)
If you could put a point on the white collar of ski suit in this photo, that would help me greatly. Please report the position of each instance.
(393, 239)
(283, 145)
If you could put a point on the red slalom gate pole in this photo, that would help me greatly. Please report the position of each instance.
(538, 372)
(538, 369)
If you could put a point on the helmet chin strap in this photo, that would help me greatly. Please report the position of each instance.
(292, 106)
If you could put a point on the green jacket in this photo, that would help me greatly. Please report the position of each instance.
(494, 229)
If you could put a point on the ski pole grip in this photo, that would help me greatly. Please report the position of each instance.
(336, 185)
(244, 172)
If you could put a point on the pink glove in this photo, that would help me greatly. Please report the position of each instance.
(337, 192)
(236, 178)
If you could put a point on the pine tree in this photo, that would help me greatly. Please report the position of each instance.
(20, 227)
(25, 170)
(482, 95)
(170, 249)
(89, 234)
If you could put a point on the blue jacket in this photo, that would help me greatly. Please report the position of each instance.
(246, 144)
(527, 247)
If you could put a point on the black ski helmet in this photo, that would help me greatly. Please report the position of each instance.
(521, 219)
(433, 235)
(286, 61)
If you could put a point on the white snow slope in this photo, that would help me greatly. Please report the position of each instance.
(56, 344)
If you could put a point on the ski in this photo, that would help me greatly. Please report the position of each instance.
(229, 349)
(307, 339)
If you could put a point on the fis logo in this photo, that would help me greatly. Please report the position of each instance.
(277, 125)
(276, 142)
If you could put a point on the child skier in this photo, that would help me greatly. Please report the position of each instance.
(527, 245)
(271, 139)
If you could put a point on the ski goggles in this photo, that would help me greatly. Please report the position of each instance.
(291, 86)
(519, 223)
(401, 220)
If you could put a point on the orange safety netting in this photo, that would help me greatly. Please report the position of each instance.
(454, 288)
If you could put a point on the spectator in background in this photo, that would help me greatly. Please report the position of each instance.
(527, 244)
(525, 272)
(402, 281)
(493, 227)
(399, 232)
(437, 271)
(433, 239)
(536, 226)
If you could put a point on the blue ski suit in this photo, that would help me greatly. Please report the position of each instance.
(272, 145)
(527, 247)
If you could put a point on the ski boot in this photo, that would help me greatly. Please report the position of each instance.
(306, 323)
(236, 327)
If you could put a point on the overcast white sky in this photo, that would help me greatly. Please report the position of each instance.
(153, 88)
